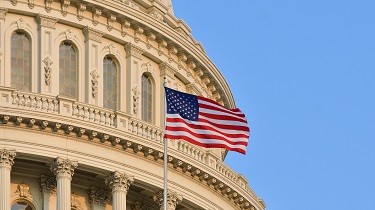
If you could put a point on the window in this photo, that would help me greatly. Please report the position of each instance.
(20, 61)
(109, 83)
(68, 70)
(21, 205)
(146, 98)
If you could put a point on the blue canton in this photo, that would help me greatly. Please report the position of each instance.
(186, 105)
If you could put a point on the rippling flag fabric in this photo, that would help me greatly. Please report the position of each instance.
(204, 122)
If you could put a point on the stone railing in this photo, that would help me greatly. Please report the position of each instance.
(35, 102)
(93, 114)
(191, 150)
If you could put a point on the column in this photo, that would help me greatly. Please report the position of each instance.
(119, 184)
(63, 170)
(133, 78)
(48, 188)
(6, 163)
(173, 198)
(98, 198)
(3, 13)
(48, 77)
(94, 72)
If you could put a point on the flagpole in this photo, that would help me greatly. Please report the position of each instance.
(165, 153)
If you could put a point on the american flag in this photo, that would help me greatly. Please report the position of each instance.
(204, 122)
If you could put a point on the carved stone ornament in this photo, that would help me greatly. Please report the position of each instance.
(166, 69)
(48, 5)
(173, 198)
(111, 49)
(47, 70)
(94, 83)
(7, 158)
(3, 12)
(81, 7)
(147, 67)
(125, 25)
(23, 190)
(30, 3)
(156, 15)
(132, 50)
(139, 206)
(48, 184)
(95, 16)
(137, 32)
(92, 34)
(161, 44)
(21, 24)
(74, 201)
(98, 196)
(63, 167)
(130, 4)
(46, 21)
(111, 18)
(14, 2)
(119, 181)
(150, 38)
(136, 94)
(64, 7)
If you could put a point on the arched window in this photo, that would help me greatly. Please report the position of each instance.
(21, 205)
(109, 83)
(20, 61)
(146, 98)
(68, 73)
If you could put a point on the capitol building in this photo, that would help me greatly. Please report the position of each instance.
(82, 109)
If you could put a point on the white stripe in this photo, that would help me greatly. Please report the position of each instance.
(224, 122)
(210, 132)
(217, 106)
(205, 141)
(215, 112)
(231, 131)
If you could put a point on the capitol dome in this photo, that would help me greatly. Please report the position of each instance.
(82, 103)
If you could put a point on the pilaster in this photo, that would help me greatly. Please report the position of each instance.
(133, 62)
(173, 199)
(119, 184)
(6, 163)
(48, 188)
(63, 169)
(49, 71)
(98, 198)
(3, 13)
(93, 73)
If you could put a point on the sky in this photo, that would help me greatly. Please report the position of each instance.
(303, 72)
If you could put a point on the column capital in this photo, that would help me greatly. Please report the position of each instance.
(63, 167)
(7, 158)
(46, 21)
(48, 184)
(92, 34)
(98, 196)
(173, 198)
(167, 70)
(133, 50)
(118, 181)
(3, 12)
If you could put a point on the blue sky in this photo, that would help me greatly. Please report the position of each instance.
(304, 74)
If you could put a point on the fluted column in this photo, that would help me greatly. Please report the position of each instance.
(6, 163)
(173, 198)
(119, 184)
(63, 170)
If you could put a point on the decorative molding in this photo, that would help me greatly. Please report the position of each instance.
(92, 34)
(118, 181)
(125, 25)
(172, 50)
(147, 67)
(7, 158)
(133, 50)
(14, 2)
(46, 21)
(94, 82)
(3, 12)
(48, 5)
(30, 3)
(111, 18)
(48, 184)
(81, 7)
(138, 30)
(111, 49)
(140, 206)
(23, 190)
(21, 24)
(64, 7)
(150, 38)
(63, 167)
(68, 34)
(47, 70)
(161, 44)
(156, 15)
(173, 198)
(136, 94)
(96, 13)
(98, 196)
(130, 4)
(75, 203)
(166, 69)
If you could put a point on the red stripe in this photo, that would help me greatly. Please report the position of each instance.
(224, 110)
(205, 127)
(214, 102)
(222, 126)
(205, 136)
(222, 117)
(204, 145)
